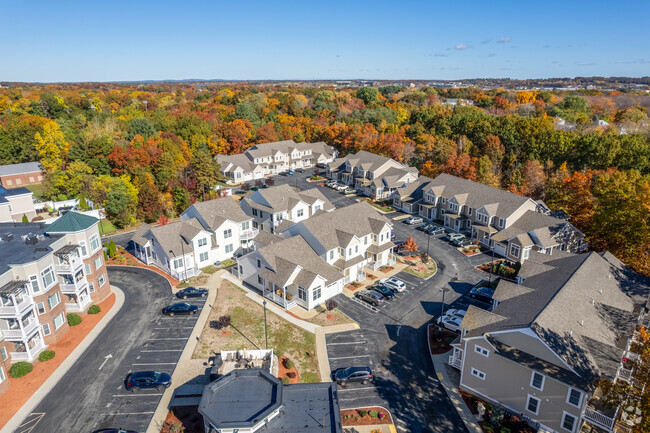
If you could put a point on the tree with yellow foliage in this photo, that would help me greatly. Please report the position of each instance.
(51, 146)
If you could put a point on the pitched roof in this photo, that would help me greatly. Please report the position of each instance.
(542, 228)
(415, 190)
(283, 197)
(175, 237)
(575, 305)
(216, 212)
(72, 222)
(25, 167)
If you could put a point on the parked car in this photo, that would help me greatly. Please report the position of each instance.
(394, 284)
(289, 172)
(461, 242)
(424, 227)
(353, 374)
(330, 184)
(321, 165)
(450, 322)
(398, 246)
(453, 236)
(384, 290)
(192, 292)
(371, 297)
(341, 187)
(455, 312)
(147, 380)
(393, 236)
(114, 430)
(481, 293)
(435, 229)
(413, 220)
(349, 191)
(300, 170)
(180, 308)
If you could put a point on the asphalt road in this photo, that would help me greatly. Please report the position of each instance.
(92, 395)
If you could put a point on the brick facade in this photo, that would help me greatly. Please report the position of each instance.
(23, 179)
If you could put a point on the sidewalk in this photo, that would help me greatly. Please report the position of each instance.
(65, 365)
(468, 418)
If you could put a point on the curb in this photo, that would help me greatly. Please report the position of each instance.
(391, 426)
(163, 406)
(62, 369)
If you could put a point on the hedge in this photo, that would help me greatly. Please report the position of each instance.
(94, 309)
(74, 319)
(20, 369)
(46, 355)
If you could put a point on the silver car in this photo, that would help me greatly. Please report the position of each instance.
(394, 284)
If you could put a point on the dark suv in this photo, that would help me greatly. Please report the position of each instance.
(371, 297)
(147, 380)
(353, 374)
(384, 290)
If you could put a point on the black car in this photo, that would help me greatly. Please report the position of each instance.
(181, 308)
(147, 380)
(192, 292)
(114, 430)
(371, 297)
(387, 292)
(482, 293)
(300, 170)
(353, 374)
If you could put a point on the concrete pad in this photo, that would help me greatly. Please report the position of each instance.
(401, 217)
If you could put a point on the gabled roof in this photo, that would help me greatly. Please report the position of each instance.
(283, 197)
(414, 190)
(23, 168)
(72, 222)
(575, 305)
(542, 229)
(216, 212)
(175, 237)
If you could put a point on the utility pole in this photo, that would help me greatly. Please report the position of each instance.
(266, 335)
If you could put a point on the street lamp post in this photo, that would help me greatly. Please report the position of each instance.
(183, 259)
(428, 241)
(492, 263)
(442, 306)
(266, 335)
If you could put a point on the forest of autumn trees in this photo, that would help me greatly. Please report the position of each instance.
(144, 151)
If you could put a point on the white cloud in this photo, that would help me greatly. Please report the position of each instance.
(461, 47)
(504, 40)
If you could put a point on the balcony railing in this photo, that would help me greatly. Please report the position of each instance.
(456, 362)
(74, 287)
(78, 306)
(600, 419)
(361, 275)
(17, 309)
(624, 373)
(184, 274)
(286, 304)
(24, 331)
(71, 267)
(249, 234)
(30, 353)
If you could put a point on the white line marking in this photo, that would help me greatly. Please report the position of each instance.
(348, 357)
(138, 357)
(128, 413)
(178, 327)
(119, 387)
(163, 350)
(136, 395)
(359, 388)
(175, 338)
(349, 342)
(108, 405)
(398, 329)
(156, 363)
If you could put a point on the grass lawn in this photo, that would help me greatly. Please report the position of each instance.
(247, 332)
(106, 227)
(422, 270)
(37, 190)
(379, 206)
(327, 318)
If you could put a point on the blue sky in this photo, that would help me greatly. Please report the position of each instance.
(153, 40)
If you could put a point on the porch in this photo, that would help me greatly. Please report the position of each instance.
(456, 358)
(280, 296)
(78, 303)
(184, 274)
(28, 351)
(457, 223)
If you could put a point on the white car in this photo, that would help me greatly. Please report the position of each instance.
(455, 312)
(413, 220)
(394, 284)
(341, 187)
(450, 322)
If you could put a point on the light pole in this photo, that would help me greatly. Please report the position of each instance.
(183, 259)
(492, 264)
(428, 241)
(442, 306)
(266, 335)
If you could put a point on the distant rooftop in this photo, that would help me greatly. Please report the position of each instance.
(25, 167)
(248, 399)
(23, 243)
(4, 193)
(72, 222)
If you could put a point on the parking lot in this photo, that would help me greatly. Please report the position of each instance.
(138, 338)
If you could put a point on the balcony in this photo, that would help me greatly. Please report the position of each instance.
(24, 330)
(74, 287)
(249, 234)
(599, 419)
(69, 259)
(29, 353)
(70, 267)
(456, 362)
(18, 308)
(78, 306)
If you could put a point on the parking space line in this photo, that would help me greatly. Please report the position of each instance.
(348, 357)
(136, 395)
(348, 342)
(177, 327)
(163, 350)
(129, 413)
(155, 363)
(359, 388)
(170, 338)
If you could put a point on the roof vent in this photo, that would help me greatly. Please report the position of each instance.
(7, 237)
(571, 333)
(593, 302)
(601, 291)
(582, 323)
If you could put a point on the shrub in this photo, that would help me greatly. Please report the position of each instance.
(83, 204)
(112, 250)
(94, 309)
(285, 380)
(224, 322)
(488, 428)
(505, 430)
(363, 413)
(288, 364)
(331, 304)
(25, 219)
(373, 414)
(20, 369)
(74, 319)
(46, 355)
(496, 416)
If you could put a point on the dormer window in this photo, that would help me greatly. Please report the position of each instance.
(502, 223)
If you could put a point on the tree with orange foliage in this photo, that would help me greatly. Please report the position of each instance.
(461, 165)
(410, 245)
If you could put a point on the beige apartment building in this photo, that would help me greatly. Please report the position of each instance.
(45, 273)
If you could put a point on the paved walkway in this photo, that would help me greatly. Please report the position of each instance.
(62, 369)
(468, 418)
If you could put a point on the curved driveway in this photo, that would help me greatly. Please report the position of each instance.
(138, 338)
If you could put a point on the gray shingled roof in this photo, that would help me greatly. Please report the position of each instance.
(283, 197)
(216, 212)
(575, 305)
(23, 168)
(415, 190)
(175, 237)
(543, 226)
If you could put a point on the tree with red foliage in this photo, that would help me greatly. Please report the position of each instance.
(410, 245)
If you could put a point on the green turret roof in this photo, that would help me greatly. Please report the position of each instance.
(72, 222)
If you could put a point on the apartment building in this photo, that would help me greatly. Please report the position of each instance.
(272, 158)
(16, 203)
(373, 175)
(16, 175)
(511, 224)
(542, 348)
(46, 272)
(271, 207)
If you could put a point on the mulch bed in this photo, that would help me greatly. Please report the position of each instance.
(352, 417)
(21, 389)
(352, 288)
(442, 346)
(283, 371)
(387, 270)
(130, 260)
(186, 416)
(470, 253)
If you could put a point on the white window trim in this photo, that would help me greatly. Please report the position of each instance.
(45, 311)
(3, 376)
(568, 396)
(46, 326)
(512, 247)
(478, 373)
(31, 279)
(101, 280)
(532, 377)
(539, 402)
(481, 351)
(502, 223)
(575, 421)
